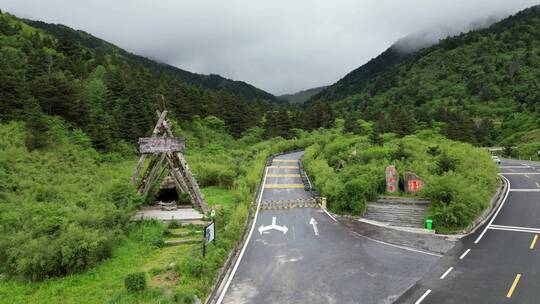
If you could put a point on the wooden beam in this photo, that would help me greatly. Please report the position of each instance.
(159, 123)
(138, 169)
(182, 185)
(152, 176)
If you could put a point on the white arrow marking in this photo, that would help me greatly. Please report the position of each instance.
(273, 226)
(314, 223)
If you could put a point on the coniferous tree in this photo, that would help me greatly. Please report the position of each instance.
(37, 127)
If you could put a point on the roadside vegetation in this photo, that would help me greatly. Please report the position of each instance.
(349, 170)
(65, 214)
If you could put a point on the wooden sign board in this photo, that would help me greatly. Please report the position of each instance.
(161, 144)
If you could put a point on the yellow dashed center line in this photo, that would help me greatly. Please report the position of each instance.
(284, 167)
(283, 175)
(285, 160)
(283, 186)
(533, 243)
(513, 287)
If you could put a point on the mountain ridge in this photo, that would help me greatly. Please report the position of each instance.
(211, 81)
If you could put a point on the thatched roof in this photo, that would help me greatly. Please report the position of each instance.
(167, 183)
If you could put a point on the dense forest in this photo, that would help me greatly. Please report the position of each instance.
(108, 93)
(480, 87)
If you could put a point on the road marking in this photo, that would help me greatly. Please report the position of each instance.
(515, 228)
(524, 190)
(284, 175)
(423, 297)
(464, 254)
(496, 212)
(397, 246)
(537, 185)
(231, 276)
(527, 176)
(533, 243)
(520, 173)
(284, 167)
(283, 186)
(446, 273)
(514, 167)
(273, 226)
(513, 287)
(314, 223)
(328, 213)
(285, 160)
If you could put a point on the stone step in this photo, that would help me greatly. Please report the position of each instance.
(408, 214)
(173, 242)
(396, 212)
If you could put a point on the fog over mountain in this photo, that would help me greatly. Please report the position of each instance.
(279, 46)
(425, 38)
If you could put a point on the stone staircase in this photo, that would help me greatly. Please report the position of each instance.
(406, 212)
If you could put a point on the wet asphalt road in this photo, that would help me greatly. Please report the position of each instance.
(500, 265)
(330, 265)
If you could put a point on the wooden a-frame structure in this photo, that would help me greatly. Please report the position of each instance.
(166, 157)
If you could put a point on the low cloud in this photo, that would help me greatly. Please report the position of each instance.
(280, 46)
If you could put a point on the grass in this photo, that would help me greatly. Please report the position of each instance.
(105, 283)
(102, 284)
(218, 196)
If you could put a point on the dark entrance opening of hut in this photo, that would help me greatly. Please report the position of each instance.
(167, 191)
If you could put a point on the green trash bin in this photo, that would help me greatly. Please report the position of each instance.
(429, 224)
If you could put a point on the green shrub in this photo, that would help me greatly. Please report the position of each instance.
(183, 297)
(460, 178)
(184, 198)
(149, 232)
(135, 282)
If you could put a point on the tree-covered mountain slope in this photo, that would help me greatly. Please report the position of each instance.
(108, 93)
(356, 80)
(480, 87)
(302, 96)
(212, 81)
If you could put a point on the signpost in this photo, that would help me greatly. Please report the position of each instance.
(161, 144)
(209, 235)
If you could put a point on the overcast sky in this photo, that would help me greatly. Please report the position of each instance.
(281, 46)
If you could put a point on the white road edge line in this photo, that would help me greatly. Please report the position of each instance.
(446, 273)
(231, 276)
(464, 254)
(328, 213)
(423, 297)
(514, 167)
(397, 246)
(497, 212)
(519, 173)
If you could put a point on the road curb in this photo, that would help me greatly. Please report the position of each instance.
(225, 272)
(496, 201)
